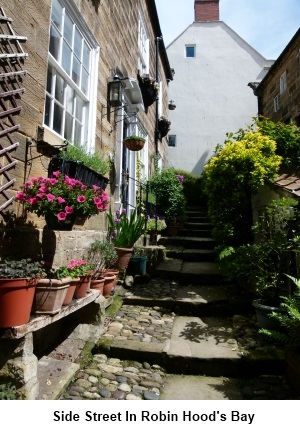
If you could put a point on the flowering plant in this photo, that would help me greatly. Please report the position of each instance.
(146, 80)
(62, 196)
(123, 231)
(156, 224)
(164, 120)
(180, 178)
(75, 269)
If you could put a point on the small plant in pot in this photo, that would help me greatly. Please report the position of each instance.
(78, 269)
(18, 280)
(138, 262)
(102, 255)
(134, 143)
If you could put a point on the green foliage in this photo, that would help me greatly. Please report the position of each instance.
(101, 255)
(123, 231)
(8, 392)
(168, 190)
(289, 321)
(229, 178)
(24, 268)
(134, 137)
(265, 263)
(287, 138)
(96, 161)
(192, 188)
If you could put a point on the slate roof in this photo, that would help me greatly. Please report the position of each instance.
(290, 183)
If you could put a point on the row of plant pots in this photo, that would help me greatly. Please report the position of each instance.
(22, 297)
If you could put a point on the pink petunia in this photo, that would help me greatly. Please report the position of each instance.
(50, 197)
(43, 189)
(81, 199)
(96, 188)
(69, 209)
(56, 174)
(33, 201)
(60, 200)
(20, 195)
(61, 216)
(97, 200)
(40, 195)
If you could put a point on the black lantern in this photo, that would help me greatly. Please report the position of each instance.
(115, 93)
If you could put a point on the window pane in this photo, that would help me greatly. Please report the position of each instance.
(49, 80)
(69, 99)
(68, 30)
(47, 111)
(68, 126)
(66, 58)
(79, 108)
(77, 43)
(56, 14)
(59, 89)
(76, 71)
(54, 43)
(57, 118)
(86, 56)
(77, 132)
(84, 81)
(190, 51)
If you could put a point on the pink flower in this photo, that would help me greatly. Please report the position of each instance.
(56, 174)
(20, 195)
(96, 188)
(81, 199)
(69, 209)
(40, 195)
(53, 181)
(97, 200)
(61, 216)
(50, 197)
(60, 200)
(33, 201)
(43, 189)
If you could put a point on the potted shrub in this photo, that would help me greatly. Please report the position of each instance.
(123, 232)
(134, 143)
(18, 280)
(50, 292)
(61, 200)
(102, 255)
(155, 225)
(76, 162)
(138, 262)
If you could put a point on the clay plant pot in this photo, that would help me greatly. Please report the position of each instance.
(124, 255)
(70, 291)
(109, 284)
(16, 298)
(82, 287)
(49, 295)
(98, 284)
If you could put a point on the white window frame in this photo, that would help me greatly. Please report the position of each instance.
(87, 98)
(277, 103)
(190, 46)
(283, 82)
(143, 46)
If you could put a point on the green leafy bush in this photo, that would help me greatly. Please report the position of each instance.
(192, 188)
(168, 189)
(229, 179)
(123, 231)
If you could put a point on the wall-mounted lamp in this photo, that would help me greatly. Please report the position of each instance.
(172, 105)
(115, 92)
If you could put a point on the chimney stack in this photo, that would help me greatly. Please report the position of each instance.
(206, 10)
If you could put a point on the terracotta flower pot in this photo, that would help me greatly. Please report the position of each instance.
(98, 284)
(124, 255)
(109, 284)
(16, 298)
(70, 291)
(49, 295)
(82, 286)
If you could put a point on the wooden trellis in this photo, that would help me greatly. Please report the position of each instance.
(11, 73)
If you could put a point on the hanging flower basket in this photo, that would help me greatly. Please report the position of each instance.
(163, 126)
(134, 143)
(149, 88)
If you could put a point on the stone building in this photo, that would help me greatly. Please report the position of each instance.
(58, 59)
(213, 67)
(279, 91)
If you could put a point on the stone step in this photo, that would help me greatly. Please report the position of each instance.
(191, 254)
(188, 242)
(203, 273)
(198, 225)
(201, 346)
(188, 232)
